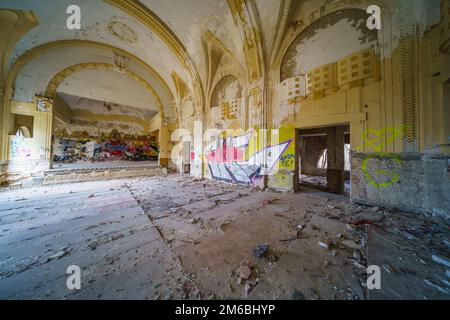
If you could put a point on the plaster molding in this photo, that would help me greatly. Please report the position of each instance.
(36, 51)
(210, 42)
(282, 20)
(310, 18)
(25, 21)
(53, 85)
(143, 14)
(246, 18)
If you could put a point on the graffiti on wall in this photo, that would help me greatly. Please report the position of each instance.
(20, 148)
(236, 159)
(378, 140)
(71, 150)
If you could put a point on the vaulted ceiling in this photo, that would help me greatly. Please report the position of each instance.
(163, 43)
(159, 38)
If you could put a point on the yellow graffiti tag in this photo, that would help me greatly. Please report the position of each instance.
(378, 141)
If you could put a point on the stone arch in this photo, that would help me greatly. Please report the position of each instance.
(296, 59)
(53, 85)
(36, 51)
(312, 17)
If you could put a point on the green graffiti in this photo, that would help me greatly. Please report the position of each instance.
(378, 141)
(394, 176)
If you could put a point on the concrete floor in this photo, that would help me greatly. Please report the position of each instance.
(175, 237)
(81, 165)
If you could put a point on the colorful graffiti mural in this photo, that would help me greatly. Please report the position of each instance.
(71, 150)
(20, 148)
(237, 159)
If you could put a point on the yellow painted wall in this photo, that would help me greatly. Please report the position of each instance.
(42, 130)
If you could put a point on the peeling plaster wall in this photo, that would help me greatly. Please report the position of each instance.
(97, 16)
(191, 19)
(110, 86)
(222, 115)
(418, 180)
(98, 118)
(379, 109)
(29, 157)
(187, 115)
(328, 40)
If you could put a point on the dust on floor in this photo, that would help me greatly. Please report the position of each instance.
(176, 237)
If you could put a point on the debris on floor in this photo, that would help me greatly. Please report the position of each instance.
(176, 237)
(260, 250)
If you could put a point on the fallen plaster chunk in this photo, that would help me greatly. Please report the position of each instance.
(351, 244)
(279, 208)
(194, 220)
(248, 288)
(325, 244)
(61, 253)
(244, 272)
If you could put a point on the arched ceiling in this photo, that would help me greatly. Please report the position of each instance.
(34, 77)
(189, 20)
(268, 11)
(164, 35)
(91, 84)
(13, 25)
(100, 22)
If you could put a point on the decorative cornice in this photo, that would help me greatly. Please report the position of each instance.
(147, 17)
(36, 51)
(26, 20)
(210, 41)
(283, 15)
(245, 17)
(53, 85)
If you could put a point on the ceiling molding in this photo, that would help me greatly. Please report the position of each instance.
(215, 51)
(53, 85)
(36, 51)
(283, 17)
(180, 86)
(246, 18)
(147, 17)
(23, 22)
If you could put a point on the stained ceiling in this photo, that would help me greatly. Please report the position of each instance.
(160, 39)
(92, 84)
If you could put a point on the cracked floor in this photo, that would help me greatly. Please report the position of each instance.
(176, 237)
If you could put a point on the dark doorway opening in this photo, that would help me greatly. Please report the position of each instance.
(324, 158)
(186, 164)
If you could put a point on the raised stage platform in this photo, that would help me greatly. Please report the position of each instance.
(88, 171)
